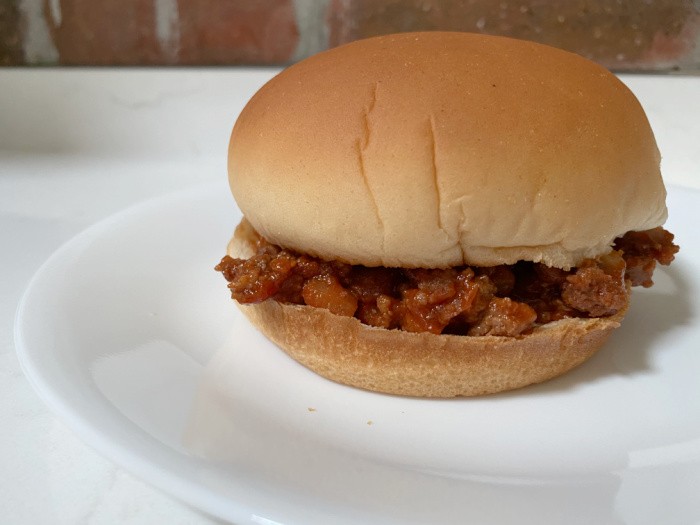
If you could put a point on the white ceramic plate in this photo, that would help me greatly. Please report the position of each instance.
(130, 337)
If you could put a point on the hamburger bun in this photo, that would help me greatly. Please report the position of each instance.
(420, 364)
(440, 149)
(436, 150)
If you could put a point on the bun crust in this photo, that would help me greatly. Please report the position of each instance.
(442, 149)
(421, 364)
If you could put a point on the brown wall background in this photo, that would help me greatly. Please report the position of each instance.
(642, 35)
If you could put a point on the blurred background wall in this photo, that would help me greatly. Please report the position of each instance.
(623, 35)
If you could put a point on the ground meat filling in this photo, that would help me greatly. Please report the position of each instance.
(500, 300)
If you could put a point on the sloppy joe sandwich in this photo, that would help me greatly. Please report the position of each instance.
(443, 214)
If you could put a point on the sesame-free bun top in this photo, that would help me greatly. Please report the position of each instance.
(440, 149)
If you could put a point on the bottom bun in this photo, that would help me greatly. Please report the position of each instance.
(421, 364)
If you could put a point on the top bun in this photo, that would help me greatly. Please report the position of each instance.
(441, 149)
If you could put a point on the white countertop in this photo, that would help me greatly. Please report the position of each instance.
(77, 145)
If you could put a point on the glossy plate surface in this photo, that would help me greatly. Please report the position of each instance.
(130, 337)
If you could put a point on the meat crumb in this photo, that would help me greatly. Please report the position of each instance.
(504, 317)
(501, 300)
